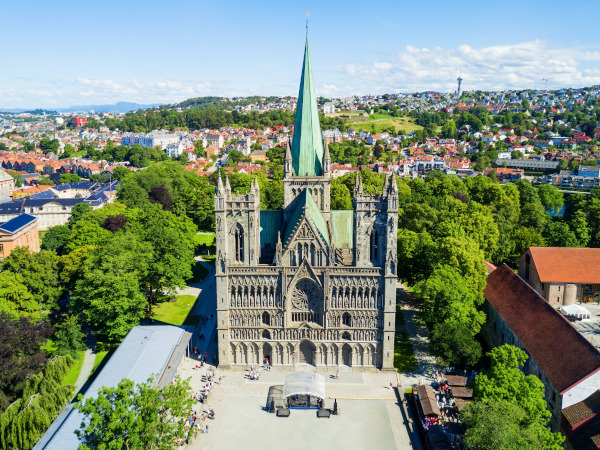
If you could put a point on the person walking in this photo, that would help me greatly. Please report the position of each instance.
(337, 374)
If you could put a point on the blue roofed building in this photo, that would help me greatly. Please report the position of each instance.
(54, 206)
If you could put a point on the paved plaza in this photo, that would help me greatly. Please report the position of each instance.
(370, 416)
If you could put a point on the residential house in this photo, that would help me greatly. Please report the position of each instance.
(215, 139)
(563, 275)
(258, 155)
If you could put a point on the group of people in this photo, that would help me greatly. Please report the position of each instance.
(254, 373)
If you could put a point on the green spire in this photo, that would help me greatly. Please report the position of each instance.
(307, 146)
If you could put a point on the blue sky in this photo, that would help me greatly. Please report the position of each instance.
(63, 53)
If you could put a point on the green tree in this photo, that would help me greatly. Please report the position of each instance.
(481, 164)
(504, 425)
(40, 272)
(579, 226)
(69, 178)
(15, 298)
(135, 416)
(120, 173)
(450, 308)
(563, 164)
(85, 233)
(69, 338)
(534, 215)
(172, 241)
(527, 192)
(49, 145)
(524, 238)
(414, 255)
(340, 196)
(505, 380)
(79, 211)
(55, 238)
(516, 154)
(551, 197)
(558, 234)
(45, 181)
(110, 302)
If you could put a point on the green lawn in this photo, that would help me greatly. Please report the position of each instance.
(73, 372)
(206, 238)
(175, 313)
(380, 121)
(404, 356)
(99, 359)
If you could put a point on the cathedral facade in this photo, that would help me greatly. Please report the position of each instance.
(306, 284)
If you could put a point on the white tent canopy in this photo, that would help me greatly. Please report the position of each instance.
(576, 311)
(304, 383)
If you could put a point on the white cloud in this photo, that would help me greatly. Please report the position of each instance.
(63, 93)
(522, 65)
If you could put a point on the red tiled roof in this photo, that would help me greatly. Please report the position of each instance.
(567, 264)
(583, 410)
(563, 354)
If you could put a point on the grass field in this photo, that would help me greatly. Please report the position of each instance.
(175, 313)
(99, 359)
(73, 372)
(404, 355)
(207, 238)
(377, 122)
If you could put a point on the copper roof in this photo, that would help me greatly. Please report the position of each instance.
(567, 264)
(561, 352)
(583, 410)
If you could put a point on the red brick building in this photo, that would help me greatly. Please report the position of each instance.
(78, 121)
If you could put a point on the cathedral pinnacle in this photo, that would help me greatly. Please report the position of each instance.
(220, 189)
(307, 146)
(227, 185)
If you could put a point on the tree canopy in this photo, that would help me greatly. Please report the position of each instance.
(135, 415)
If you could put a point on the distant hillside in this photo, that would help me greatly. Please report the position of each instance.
(220, 103)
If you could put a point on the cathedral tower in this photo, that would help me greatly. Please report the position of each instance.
(306, 285)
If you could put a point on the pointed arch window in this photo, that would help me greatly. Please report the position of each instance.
(266, 334)
(346, 319)
(266, 318)
(239, 243)
(374, 247)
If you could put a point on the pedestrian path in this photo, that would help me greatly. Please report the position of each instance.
(86, 369)
(419, 339)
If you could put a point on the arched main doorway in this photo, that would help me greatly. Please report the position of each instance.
(346, 355)
(267, 352)
(307, 352)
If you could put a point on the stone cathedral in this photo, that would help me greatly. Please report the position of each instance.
(306, 285)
